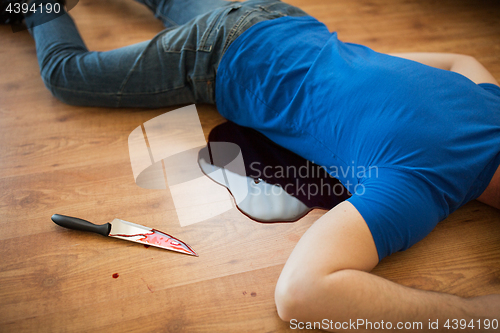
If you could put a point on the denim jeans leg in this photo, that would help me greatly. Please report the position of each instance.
(178, 66)
(175, 67)
(75, 75)
(178, 12)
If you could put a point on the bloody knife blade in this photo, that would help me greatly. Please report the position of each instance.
(128, 231)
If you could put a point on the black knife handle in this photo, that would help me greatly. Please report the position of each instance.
(82, 225)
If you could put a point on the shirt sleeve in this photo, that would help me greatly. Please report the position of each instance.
(399, 207)
(493, 88)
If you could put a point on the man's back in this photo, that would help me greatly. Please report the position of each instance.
(404, 136)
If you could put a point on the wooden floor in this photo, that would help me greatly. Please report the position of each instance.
(56, 158)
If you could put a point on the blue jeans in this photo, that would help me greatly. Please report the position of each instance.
(178, 66)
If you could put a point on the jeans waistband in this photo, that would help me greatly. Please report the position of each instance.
(246, 14)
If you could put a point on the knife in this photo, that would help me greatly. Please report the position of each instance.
(128, 231)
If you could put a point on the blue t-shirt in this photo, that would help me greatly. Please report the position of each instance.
(411, 142)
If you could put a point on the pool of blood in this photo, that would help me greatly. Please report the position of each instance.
(261, 154)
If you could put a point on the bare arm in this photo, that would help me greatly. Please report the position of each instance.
(326, 277)
(466, 65)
